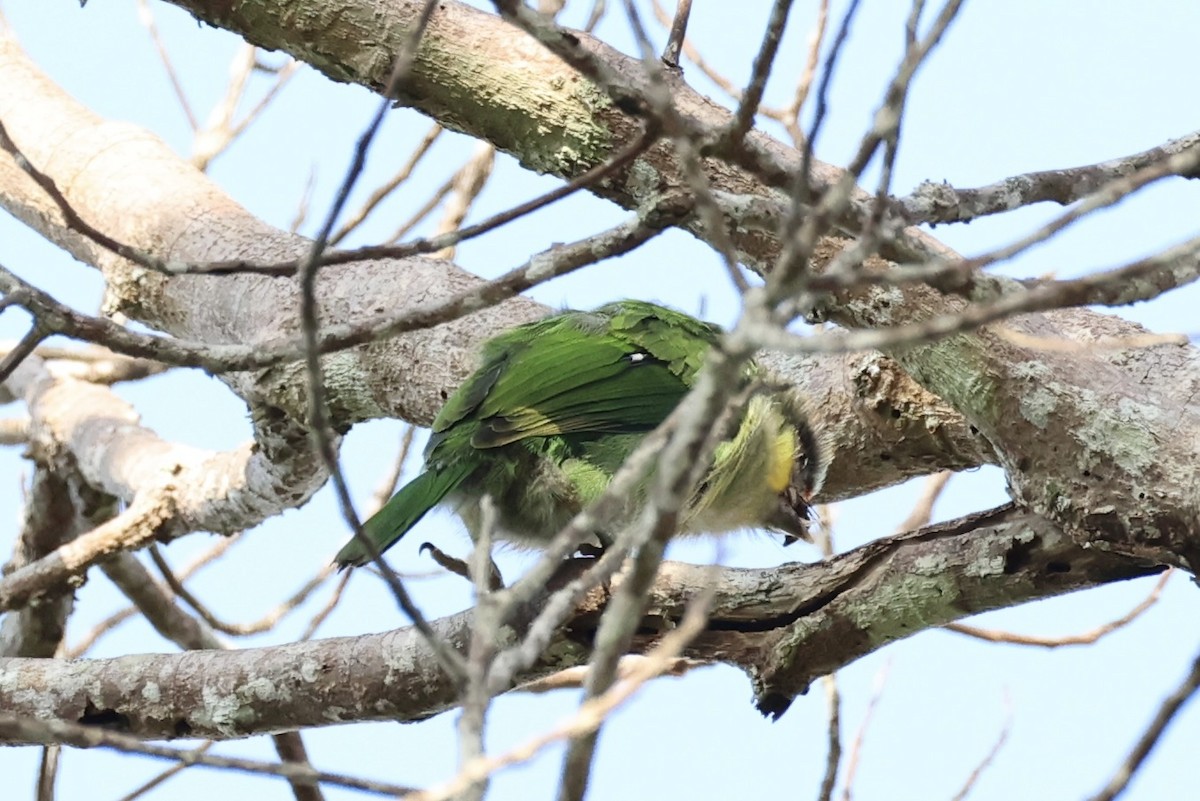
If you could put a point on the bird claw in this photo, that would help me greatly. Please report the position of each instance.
(590, 551)
(594, 550)
(459, 567)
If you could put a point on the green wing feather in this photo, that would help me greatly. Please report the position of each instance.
(402, 512)
(619, 369)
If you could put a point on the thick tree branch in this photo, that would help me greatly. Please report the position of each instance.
(171, 489)
(173, 623)
(785, 626)
(102, 434)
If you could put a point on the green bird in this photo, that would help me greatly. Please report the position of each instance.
(557, 405)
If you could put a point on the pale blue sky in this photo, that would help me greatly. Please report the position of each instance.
(1016, 86)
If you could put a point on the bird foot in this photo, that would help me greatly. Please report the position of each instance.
(594, 550)
(459, 567)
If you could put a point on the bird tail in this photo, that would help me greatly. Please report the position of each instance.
(402, 512)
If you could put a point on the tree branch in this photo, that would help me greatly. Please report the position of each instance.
(785, 626)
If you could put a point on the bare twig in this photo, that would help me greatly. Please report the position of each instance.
(801, 188)
(1127, 284)
(833, 696)
(612, 638)
(18, 728)
(618, 161)
(595, 15)
(391, 185)
(388, 485)
(87, 641)
(291, 750)
(22, 349)
(334, 598)
(405, 228)
(133, 528)
(860, 736)
(146, 17)
(990, 756)
(70, 217)
(590, 715)
(833, 703)
(558, 260)
(922, 510)
(222, 129)
(302, 205)
(1084, 638)
(748, 105)
(155, 781)
(1149, 739)
(468, 183)
(692, 52)
(659, 96)
(935, 203)
(804, 226)
(112, 621)
(1179, 162)
(670, 55)
(265, 623)
(485, 643)
(48, 772)
(790, 116)
(574, 678)
(158, 605)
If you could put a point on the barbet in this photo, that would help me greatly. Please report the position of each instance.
(557, 405)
